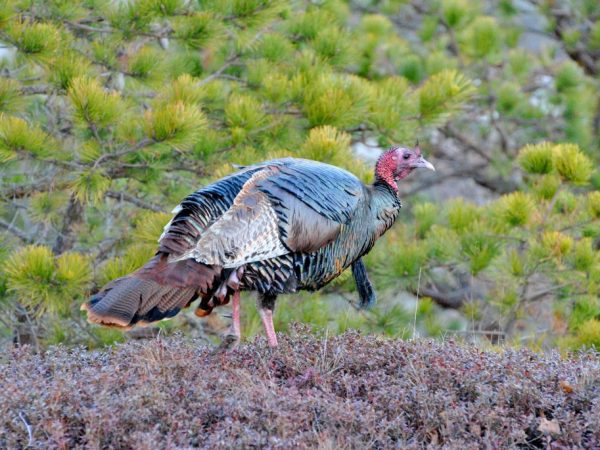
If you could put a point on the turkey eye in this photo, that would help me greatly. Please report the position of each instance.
(406, 156)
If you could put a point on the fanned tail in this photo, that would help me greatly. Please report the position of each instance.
(157, 291)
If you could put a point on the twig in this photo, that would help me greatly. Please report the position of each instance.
(35, 90)
(220, 70)
(81, 26)
(452, 132)
(28, 427)
(417, 304)
(133, 200)
(14, 230)
(143, 143)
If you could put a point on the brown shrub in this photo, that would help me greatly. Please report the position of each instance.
(347, 391)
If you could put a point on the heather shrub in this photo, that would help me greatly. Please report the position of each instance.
(347, 391)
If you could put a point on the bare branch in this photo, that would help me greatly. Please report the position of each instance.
(230, 61)
(14, 230)
(122, 196)
(140, 145)
(28, 427)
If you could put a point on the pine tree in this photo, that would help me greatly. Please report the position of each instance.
(111, 112)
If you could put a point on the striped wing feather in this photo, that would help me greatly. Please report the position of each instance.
(281, 206)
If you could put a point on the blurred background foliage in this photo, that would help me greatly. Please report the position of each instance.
(112, 111)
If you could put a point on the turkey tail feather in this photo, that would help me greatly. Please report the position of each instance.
(129, 300)
(157, 291)
(365, 289)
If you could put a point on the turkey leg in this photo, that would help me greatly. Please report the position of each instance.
(235, 307)
(232, 339)
(266, 305)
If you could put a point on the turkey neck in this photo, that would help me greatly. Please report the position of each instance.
(384, 205)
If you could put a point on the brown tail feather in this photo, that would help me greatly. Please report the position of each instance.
(157, 291)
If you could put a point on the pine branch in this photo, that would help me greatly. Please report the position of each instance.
(122, 196)
(81, 26)
(465, 141)
(15, 231)
(228, 63)
(453, 299)
(140, 145)
(21, 191)
(37, 90)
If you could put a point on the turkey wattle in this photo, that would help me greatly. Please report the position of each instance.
(275, 227)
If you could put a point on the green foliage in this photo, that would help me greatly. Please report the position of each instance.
(332, 146)
(566, 159)
(442, 94)
(409, 258)
(17, 136)
(244, 112)
(48, 207)
(90, 186)
(481, 38)
(593, 201)
(392, 107)
(134, 258)
(547, 186)
(585, 308)
(45, 283)
(509, 97)
(480, 249)
(340, 101)
(537, 158)
(66, 67)
(145, 63)
(556, 244)
(40, 39)
(571, 164)
(568, 76)
(149, 226)
(455, 12)
(588, 334)
(516, 208)
(462, 215)
(198, 30)
(583, 256)
(93, 105)
(425, 216)
(177, 124)
(9, 95)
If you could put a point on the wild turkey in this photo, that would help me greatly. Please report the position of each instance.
(275, 227)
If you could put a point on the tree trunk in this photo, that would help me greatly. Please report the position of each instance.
(66, 237)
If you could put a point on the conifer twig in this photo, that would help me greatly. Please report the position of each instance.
(14, 230)
(133, 200)
(140, 145)
(228, 63)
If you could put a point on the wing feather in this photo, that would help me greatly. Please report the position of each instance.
(247, 232)
(264, 211)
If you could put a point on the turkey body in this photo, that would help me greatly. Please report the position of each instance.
(275, 227)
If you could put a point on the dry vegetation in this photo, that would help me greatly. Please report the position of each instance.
(348, 391)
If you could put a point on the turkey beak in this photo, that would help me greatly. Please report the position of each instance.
(422, 163)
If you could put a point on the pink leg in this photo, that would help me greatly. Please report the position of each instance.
(267, 319)
(235, 306)
(233, 336)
